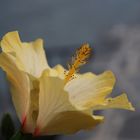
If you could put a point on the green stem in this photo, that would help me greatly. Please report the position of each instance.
(20, 136)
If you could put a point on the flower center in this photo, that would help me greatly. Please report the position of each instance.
(79, 59)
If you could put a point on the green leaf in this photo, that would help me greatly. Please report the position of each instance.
(20, 136)
(7, 126)
(17, 136)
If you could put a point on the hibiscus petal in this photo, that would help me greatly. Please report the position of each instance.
(60, 70)
(70, 122)
(90, 90)
(119, 102)
(56, 114)
(52, 99)
(20, 86)
(30, 57)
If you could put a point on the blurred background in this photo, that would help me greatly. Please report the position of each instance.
(112, 27)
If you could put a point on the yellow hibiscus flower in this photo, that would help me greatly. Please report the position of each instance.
(54, 100)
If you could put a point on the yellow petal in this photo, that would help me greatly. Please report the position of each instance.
(70, 122)
(30, 57)
(119, 102)
(60, 70)
(56, 113)
(52, 99)
(50, 72)
(90, 90)
(19, 84)
(23, 95)
(20, 88)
